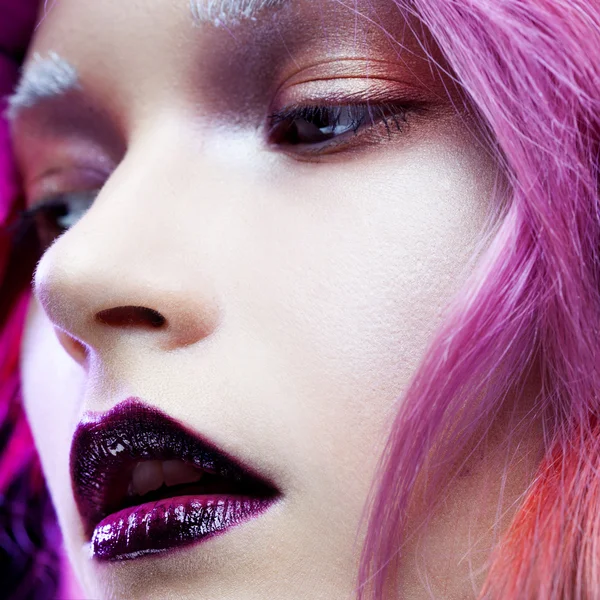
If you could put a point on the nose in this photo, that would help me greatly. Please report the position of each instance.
(122, 276)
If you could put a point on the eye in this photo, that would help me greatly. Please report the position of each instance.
(318, 126)
(55, 215)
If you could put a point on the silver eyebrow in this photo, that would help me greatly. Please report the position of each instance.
(54, 76)
(230, 12)
(43, 78)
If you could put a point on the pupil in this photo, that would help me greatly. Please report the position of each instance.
(323, 120)
(321, 127)
(319, 124)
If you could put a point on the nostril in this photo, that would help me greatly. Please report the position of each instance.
(130, 316)
(74, 347)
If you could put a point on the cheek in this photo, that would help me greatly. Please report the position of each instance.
(52, 385)
(368, 259)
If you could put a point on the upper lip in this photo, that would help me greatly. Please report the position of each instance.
(106, 447)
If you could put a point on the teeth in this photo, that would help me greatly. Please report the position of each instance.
(147, 476)
(176, 472)
(150, 475)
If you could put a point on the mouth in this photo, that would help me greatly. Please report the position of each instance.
(145, 484)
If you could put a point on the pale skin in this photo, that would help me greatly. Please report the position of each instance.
(301, 286)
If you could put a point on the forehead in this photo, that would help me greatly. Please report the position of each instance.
(215, 47)
(80, 21)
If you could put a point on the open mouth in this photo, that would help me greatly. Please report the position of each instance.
(144, 484)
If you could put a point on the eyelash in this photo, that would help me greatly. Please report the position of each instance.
(288, 128)
(293, 127)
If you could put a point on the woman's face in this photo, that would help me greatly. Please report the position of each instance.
(295, 193)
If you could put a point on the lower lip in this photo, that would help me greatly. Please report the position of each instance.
(169, 524)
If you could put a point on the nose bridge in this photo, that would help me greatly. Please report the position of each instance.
(132, 263)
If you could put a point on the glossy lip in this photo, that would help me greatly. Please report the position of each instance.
(105, 449)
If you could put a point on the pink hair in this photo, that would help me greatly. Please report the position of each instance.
(29, 536)
(531, 70)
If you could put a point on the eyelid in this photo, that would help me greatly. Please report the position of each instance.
(349, 90)
(54, 180)
(404, 77)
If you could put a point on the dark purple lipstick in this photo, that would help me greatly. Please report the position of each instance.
(145, 484)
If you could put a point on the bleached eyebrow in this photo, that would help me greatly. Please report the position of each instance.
(43, 78)
(53, 76)
(230, 12)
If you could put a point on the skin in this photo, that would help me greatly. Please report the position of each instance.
(301, 288)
